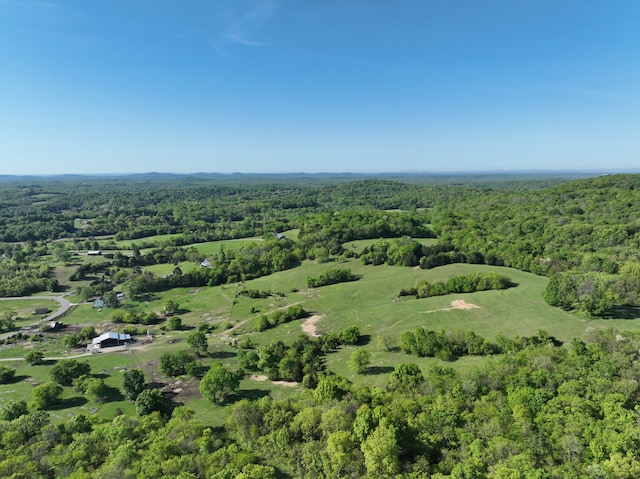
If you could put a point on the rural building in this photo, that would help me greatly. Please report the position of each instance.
(94, 252)
(109, 339)
(99, 303)
(55, 325)
(41, 311)
(120, 296)
(206, 263)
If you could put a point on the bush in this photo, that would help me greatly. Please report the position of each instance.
(148, 401)
(175, 364)
(34, 357)
(46, 394)
(331, 276)
(66, 370)
(174, 323)
(6, 374)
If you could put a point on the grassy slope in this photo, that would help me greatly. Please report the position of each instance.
(370, 303)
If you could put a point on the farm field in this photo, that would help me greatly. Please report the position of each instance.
(262, 362)
(371, 304)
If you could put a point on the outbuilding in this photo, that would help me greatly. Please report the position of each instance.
(109, 339)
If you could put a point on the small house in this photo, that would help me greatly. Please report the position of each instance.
(206, 263)
(94, 252)
(120, 296)
(99, 303)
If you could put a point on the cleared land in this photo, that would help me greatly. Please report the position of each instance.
(371, 303)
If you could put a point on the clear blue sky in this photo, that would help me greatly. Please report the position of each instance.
(117, 86)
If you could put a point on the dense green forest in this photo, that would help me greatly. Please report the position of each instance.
(527, 407)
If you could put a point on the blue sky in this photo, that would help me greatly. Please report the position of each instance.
(307, 86)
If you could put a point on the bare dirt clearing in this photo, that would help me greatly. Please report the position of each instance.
(456, 304)
(262, 378)
(309, 326)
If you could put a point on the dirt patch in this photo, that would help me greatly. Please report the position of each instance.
(462, 304)
(456, 304)
(261, 378)
(309, 326)
(182, 389)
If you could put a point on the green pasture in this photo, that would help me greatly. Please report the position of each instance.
(358, 245)
(383, 362)
(166, 269)
(111, 365)
(25, 307)
(213, 247)
(140, 242)
(292, 234)
(371, 303)
(86, 315)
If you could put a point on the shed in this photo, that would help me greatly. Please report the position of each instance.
(99, 303)
(94, 252)
(110, 339)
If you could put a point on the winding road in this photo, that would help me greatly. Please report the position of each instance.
(64, 308)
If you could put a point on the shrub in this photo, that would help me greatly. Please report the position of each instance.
(6, 374)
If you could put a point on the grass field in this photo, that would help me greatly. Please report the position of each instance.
(25, 307)
(370, 303)
(212, 247)
(156, 239)
(358, 245)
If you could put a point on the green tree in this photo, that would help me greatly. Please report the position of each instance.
(72, 340)
(175, 364)
(34, 357)
(66, 370)
(174, 323)
(87, 333)
(359, 360)
(350, 335)
(133, 383)
(406, 377)
(198, 341)
(171, 308)
(263, 323)
(46, 394)
(96, 390)
(257, 471)
(110, 299)
(148, 401)
(218, 383)
(6, 374)
(13, 409)
(381, 451)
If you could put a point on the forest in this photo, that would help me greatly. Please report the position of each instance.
(255, 355)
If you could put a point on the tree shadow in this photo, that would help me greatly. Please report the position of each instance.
(75, 401)
(17, 379)
(155, 385)
(222, 354)
(624, 312)
(374, 370)
(250, 394)
(364, 339)
(113, 394)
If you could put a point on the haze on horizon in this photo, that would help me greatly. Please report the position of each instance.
(335, 86)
